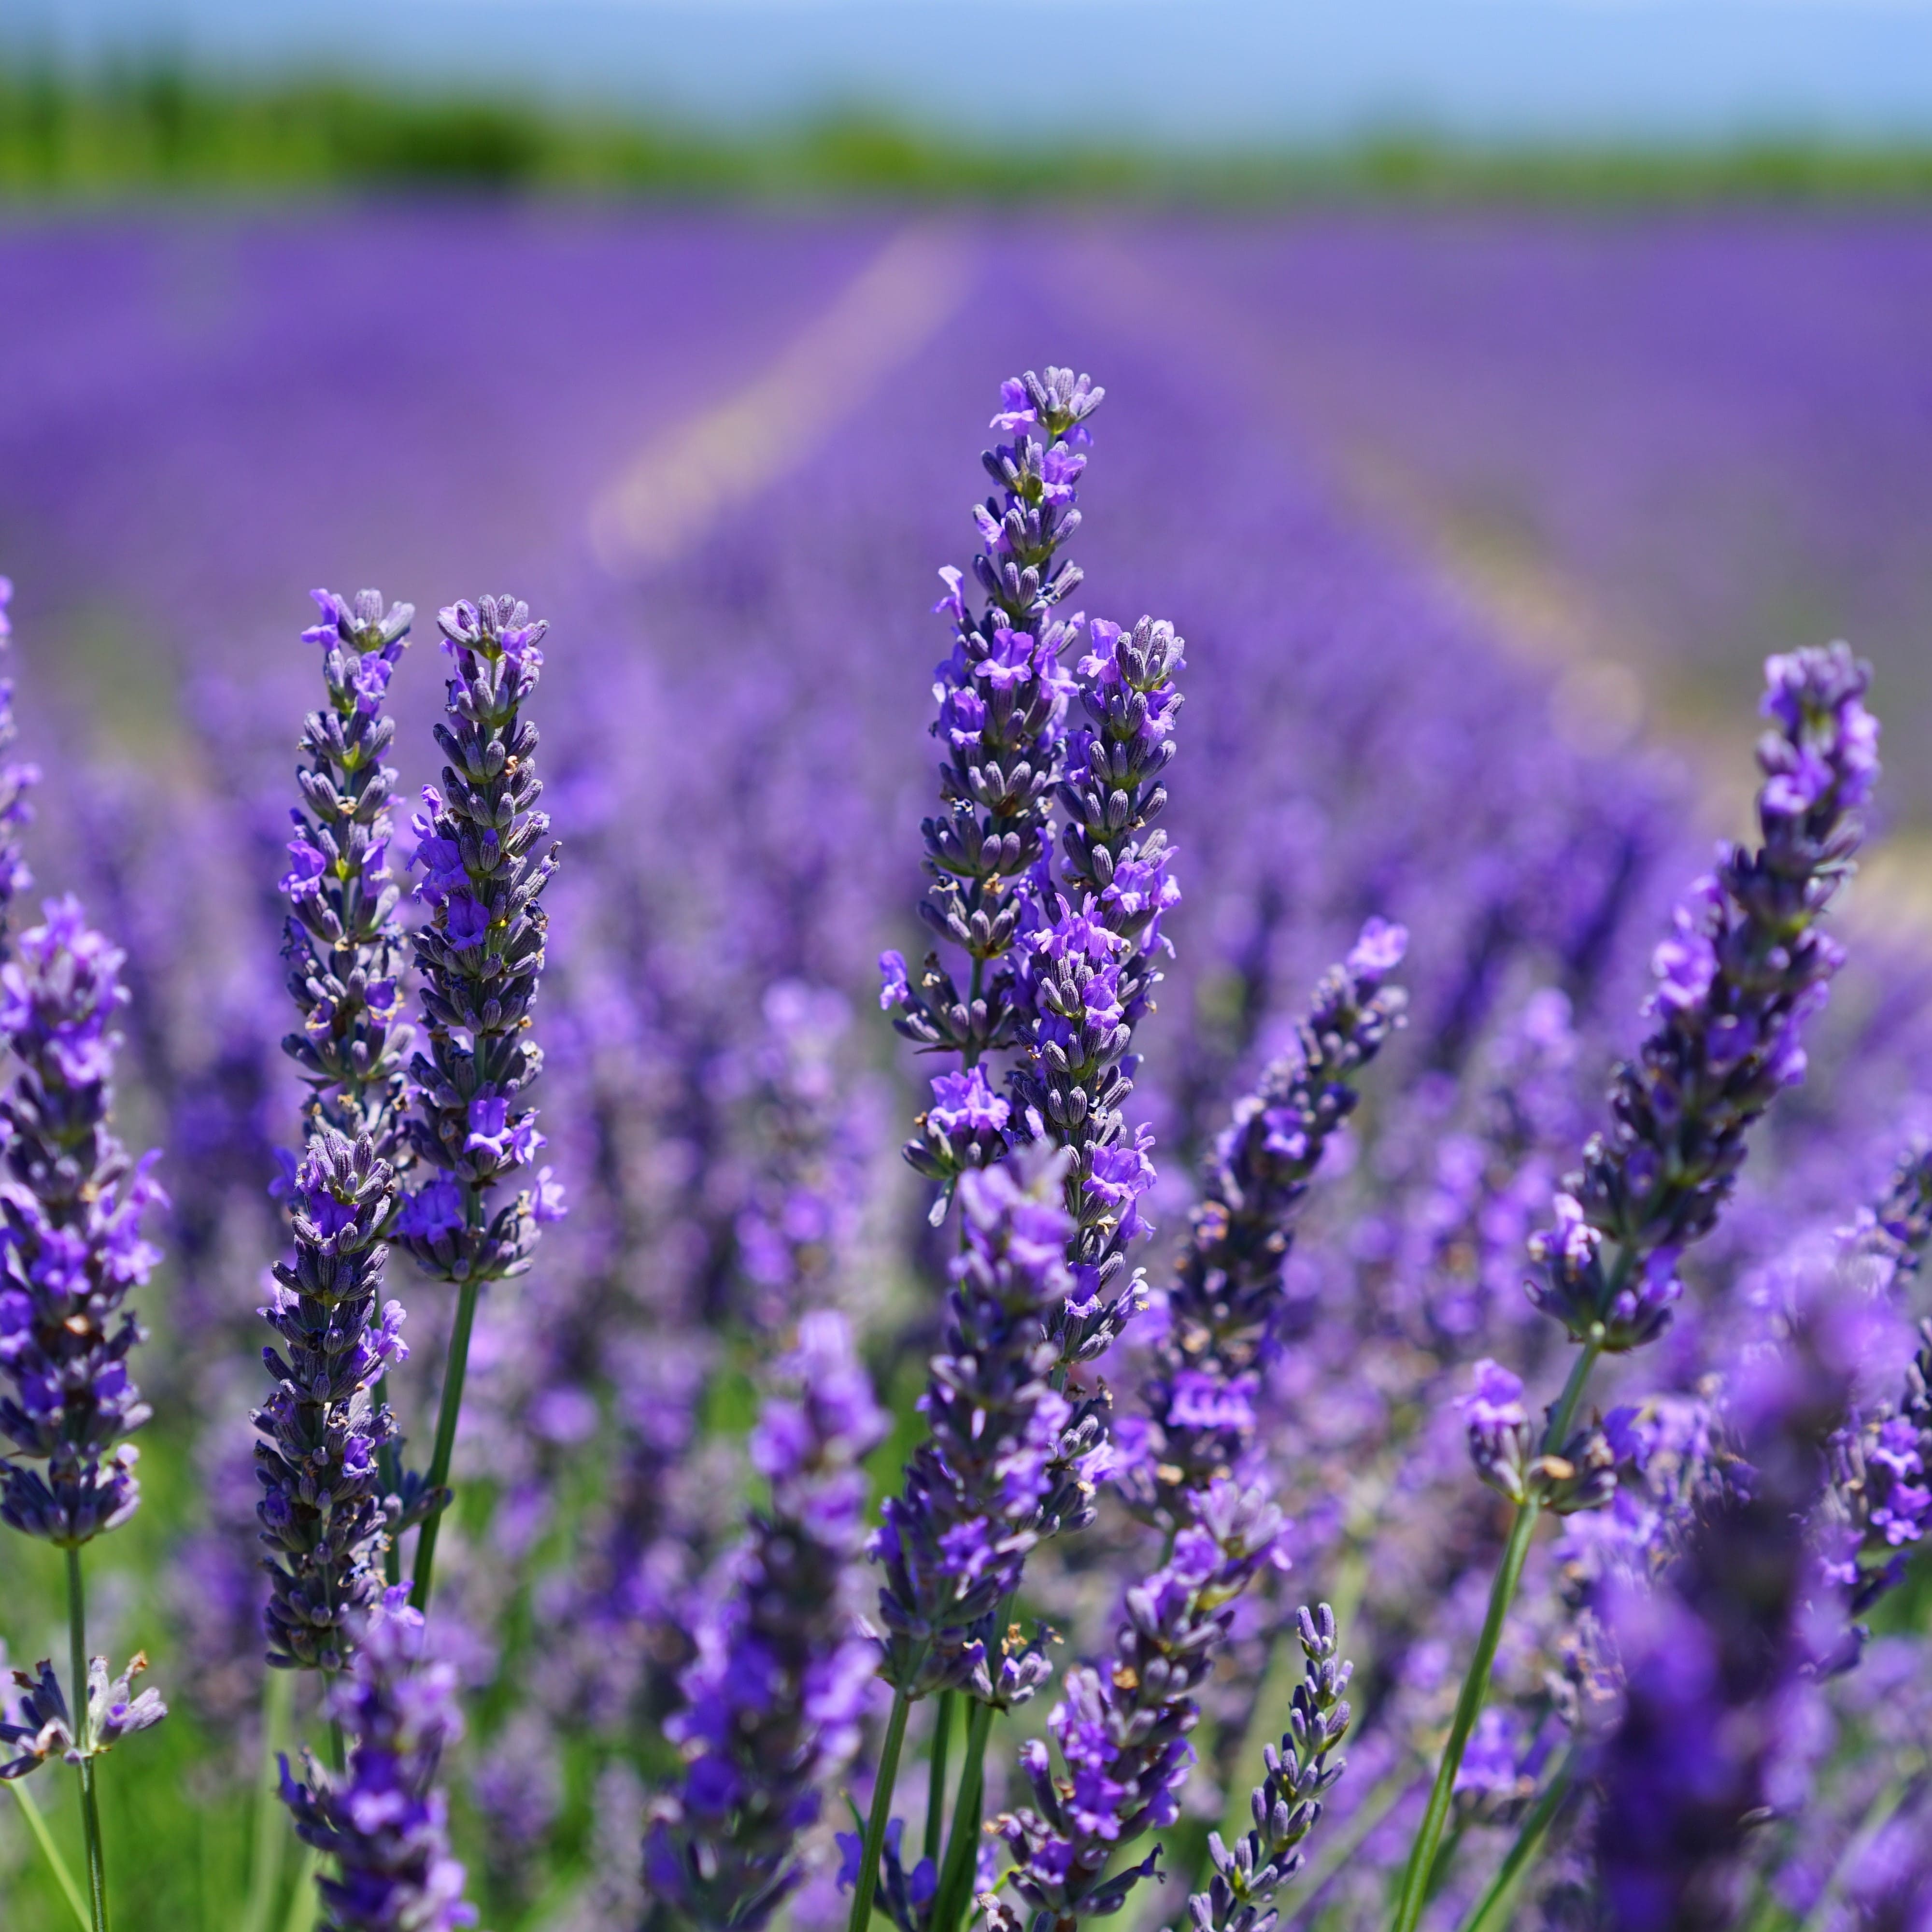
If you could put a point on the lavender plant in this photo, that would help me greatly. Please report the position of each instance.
(72, 1204)
(480, 842)
(1745, 967)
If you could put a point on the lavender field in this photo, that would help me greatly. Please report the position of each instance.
(1477, 529)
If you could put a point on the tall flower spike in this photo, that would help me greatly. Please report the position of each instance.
(1002, 697)
(72, 1203)
(981, 1490)
(323, 1506)
(16, 782)
(1122, 1730)
(343, 942)
(774, 1698)
(481, 843)
(1090, 972)
(1744, 969)
(382, 1820)
(1287, 1803)
(1225, 1306)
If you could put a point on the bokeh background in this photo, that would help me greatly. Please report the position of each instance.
(1504, 377)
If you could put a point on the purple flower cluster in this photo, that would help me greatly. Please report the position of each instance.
(774, 1698)
(1221, 1323)
(16, 782)
(1286, 1805)
(1743, 969)
(382, 1820)
(71, 1245)
(981, 1490)
(325, 1511)
(1002, 698)
(1121, 1728)
(480, 842)
(342, 942)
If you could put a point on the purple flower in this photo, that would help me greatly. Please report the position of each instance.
(383, 1821)
(70, 1243)
(773, 1700)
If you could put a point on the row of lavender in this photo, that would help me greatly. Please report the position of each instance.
(1317, 1373)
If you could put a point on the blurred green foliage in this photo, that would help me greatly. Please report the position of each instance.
(162, 130)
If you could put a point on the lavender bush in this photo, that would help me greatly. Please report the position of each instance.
(1049, 1522)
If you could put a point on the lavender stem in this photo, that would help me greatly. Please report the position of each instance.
(90, 1808)
(1415, 1879)
(454, 1373)
(882, 1810)
(935, 1794)
(43, 1838)
(962, 1842)
(270, 1835)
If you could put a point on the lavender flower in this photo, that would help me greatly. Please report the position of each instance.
(1090, 976)
(72, 1204)
(323, 1511)
(484, 865)
(1002, 697)
(343, 941)
(1223, 1314)
(1122, 1730)
(774, 1699)
(1736, 981)
(1287, 1803)
(382, 1820)
(46, 1728)
(16, 782)
(981, 1491)
(480, 845)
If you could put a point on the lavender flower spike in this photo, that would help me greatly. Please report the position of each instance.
(16, 782)
(1002, 697)
(323, 1510)
(774, 1699)
(71, 1247)
(1744, 969)
(1287, 1803)
(481, 845)
(343, 942)
(383, 1820)
(1122, 1731)
(980, 1491)
(1224, 1307)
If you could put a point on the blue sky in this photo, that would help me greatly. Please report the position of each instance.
(1189, 71)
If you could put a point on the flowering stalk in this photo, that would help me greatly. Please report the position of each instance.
(978, 1490)
(1743, 969)
(382, 1818)
(16, 782)
(774, 1699)
(1287, 1803)
(480, 842)
(1002, 697)
(72, 1204)
(1223, 1311)
(1122, 1732)
(334, 1501)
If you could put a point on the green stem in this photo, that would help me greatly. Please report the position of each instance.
(962, 1844)
(1492, 1908)
(305, 1904)
(935, 1788)
(882, 1808)
(1874, 1822)
(38, 1826)
(271, 1832)
(90, 1803)
(453, 1374)
(1416, 1876)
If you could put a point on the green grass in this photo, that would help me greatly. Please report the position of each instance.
(163, 131)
